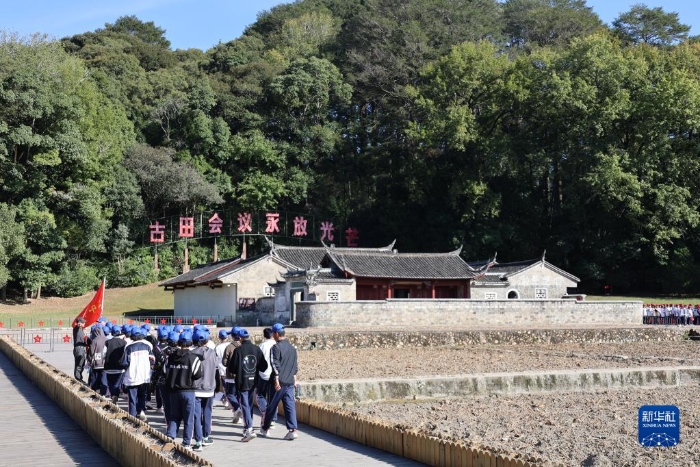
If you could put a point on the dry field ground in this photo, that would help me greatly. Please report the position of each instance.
(568, 428)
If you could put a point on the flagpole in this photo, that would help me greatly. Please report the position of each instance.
(104, 287)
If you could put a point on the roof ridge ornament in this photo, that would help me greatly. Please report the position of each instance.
(544, 253)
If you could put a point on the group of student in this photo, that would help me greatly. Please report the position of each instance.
(670, 314)
(187, 371)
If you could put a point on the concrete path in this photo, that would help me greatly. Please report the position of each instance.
(36, 432)
(313, 447)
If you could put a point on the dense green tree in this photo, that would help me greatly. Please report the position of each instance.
(168, 186)
(547, 22)
(644, 25)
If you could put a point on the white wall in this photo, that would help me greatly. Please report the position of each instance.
(203, 301)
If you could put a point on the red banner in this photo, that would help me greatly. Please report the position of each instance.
(93, 310)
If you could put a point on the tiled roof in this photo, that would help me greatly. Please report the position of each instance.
(322, 275)
(499, 271)
(402, 265)
(211, 272)
(309, 257)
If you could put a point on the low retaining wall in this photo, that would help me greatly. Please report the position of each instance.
(331, 339)
(127, 439)
(402, 441)
(371, 390)
(466, 313)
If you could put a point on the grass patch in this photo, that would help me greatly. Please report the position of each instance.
(117, 302)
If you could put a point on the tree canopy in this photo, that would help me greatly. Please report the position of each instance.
(513, 126)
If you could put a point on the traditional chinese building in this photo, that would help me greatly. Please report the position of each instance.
(531, 279)
(348, 274)
(224, 288)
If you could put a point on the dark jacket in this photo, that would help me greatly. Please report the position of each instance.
(182, 369)
(78, 337)
(114, 351)
(96, 351)
(246, 362)
(284, 362)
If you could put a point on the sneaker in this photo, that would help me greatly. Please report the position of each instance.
(115, 399)
(237, 416)
(272, 425)
(207, 441)
(248, 435)
(291, 436)
(142, 416)
(186, 447)
(262, 433)
(160, 410)
(197, 447)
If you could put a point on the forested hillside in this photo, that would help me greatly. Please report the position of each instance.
(508, 127)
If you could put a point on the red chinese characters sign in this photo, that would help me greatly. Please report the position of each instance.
(215, 224)
(297, 226)
(186, 227)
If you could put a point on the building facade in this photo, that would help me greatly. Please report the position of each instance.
(532, 279)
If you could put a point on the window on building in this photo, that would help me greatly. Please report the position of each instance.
(268, 291)
(540, 293)
(332, 296)
(490, 296)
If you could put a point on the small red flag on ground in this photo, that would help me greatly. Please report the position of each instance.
(93, 310)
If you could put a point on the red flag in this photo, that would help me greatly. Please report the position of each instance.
(93, 310)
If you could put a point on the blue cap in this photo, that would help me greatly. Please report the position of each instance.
(277, 327)
(106, 329)
(116, 330)
(223, 334)
(200, 336)
(178, 328)
(173, 337)
(162, 333)
(234, 331)
(146, 327)
(243, 333)
(101, 319)
(184, 338)
(137, 331)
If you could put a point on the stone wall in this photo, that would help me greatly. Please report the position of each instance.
(330, 339)
(474, 314)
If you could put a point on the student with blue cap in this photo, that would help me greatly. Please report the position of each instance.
(113, 371)
(137, 361)
(245, 364)
(158, 379)
(284, 378)
(229, 378)
(206, 385)
(182, 370)
(220, 369)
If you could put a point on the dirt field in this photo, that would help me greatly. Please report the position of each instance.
(569, 429)
(410, 362)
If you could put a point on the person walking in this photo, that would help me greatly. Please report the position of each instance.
(229, 378)
(204, 394)
(114, 372)
(96, 359)
(182, 370)
(220, 368)
(284, 379)
(138, 361)
(246, 363)
(264, 389)
(79, 349)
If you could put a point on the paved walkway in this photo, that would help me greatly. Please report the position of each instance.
(313, 447)
(36, 432)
